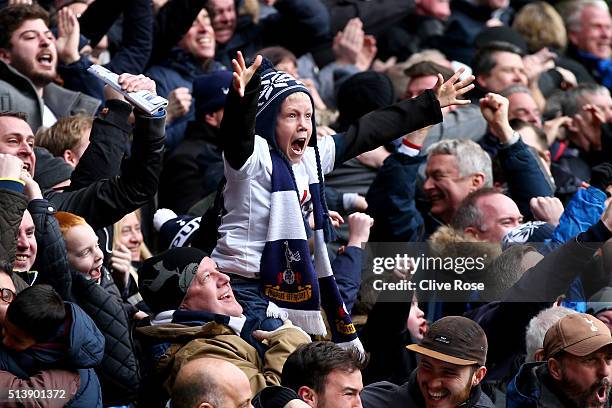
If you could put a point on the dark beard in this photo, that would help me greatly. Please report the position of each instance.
(464, 395)
(26, 68)
(461, 397)
(584, 398)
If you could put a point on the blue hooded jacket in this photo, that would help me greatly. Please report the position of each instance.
(84, 351)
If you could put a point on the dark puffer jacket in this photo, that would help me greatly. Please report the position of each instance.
(51, 262)
(12, 206)
(119, 373)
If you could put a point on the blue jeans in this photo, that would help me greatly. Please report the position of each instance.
(248, 293)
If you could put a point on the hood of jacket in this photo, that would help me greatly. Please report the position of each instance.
(448, 242)
(84, 342)
(203, 131)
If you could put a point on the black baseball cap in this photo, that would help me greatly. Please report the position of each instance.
(456, 340)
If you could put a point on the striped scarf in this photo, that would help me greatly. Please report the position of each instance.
(290, 279)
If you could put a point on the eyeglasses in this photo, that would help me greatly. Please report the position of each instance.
(7, 295)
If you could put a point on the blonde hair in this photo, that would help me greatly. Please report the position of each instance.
(66, 133)
(145, 253)
(298, 96)
(541, 26)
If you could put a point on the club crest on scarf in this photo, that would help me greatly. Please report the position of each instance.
(288, 276)
(289, 282)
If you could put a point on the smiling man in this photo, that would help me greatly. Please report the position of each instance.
(325, 375)
(208, 322)
(576, 371)
(451, 367)
(454, 169)
(26, 245)
(589, 31)
(28, 66)
(487, 215)
(191, 58)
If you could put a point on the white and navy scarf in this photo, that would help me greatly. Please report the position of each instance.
(290, 279)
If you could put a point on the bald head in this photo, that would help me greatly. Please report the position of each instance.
(208, 382)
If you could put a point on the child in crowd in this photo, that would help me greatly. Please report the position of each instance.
(274, 172)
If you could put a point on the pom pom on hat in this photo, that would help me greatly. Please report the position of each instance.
(175, 231)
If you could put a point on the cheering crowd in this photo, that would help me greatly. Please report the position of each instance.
(218, 252)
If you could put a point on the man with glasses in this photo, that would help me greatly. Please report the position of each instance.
(7, 293)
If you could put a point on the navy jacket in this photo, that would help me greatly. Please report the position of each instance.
(84, 351)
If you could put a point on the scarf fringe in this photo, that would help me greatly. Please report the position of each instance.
(276, 312)
(355, 343)
(311, 321)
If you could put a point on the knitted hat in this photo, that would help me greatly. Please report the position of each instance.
(175, 231)
(210, 91)
(362, 93)
(163, 279)
(50, 170)
(275, 87)
(532, 231)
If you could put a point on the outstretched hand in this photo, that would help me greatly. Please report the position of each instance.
(448, 92)
(69, 31)
(242, 75)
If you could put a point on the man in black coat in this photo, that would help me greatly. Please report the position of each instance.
(194, 169)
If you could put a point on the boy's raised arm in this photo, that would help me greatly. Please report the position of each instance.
(389, 123)
(238, 124)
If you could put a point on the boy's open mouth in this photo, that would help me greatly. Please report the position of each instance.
(298, 145)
